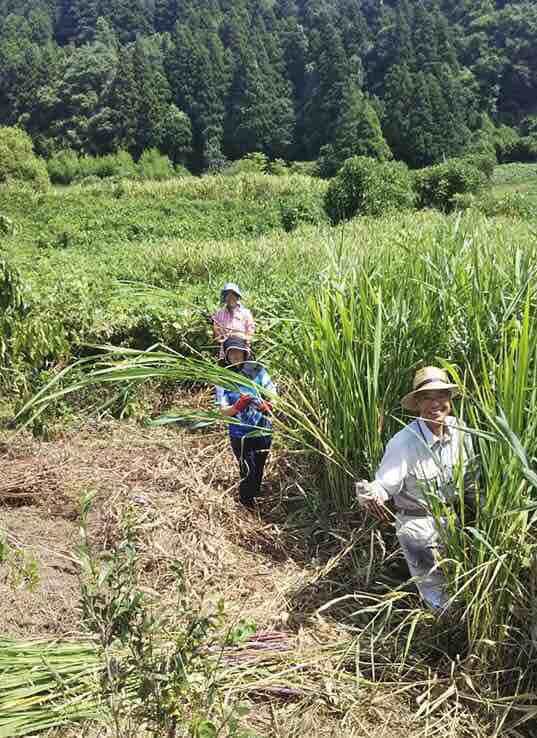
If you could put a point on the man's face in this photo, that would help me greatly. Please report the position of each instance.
(434, 405)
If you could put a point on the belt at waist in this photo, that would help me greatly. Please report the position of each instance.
(417, 513)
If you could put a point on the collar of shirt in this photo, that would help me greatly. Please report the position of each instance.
(430, 438)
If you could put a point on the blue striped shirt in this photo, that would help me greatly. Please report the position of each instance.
(249, 419)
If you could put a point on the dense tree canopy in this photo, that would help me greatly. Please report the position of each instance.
(206, 80)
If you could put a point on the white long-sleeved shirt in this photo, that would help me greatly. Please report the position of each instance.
(417, 462)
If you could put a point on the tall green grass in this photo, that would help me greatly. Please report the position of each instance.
(492, 553)
(381, 310)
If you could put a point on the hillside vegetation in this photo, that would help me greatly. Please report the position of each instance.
(120, 273)
(207, 82)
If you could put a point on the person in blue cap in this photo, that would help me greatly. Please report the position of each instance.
(250, 431)
(232, 319)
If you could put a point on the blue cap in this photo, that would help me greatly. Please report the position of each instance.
(234, 342)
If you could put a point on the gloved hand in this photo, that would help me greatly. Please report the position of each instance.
(242, 402)
(373, 499)
(264, 407)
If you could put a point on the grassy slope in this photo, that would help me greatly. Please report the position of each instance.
(73, 244)
(516, 178)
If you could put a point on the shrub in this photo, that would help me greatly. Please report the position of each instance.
(18, 163)
(182, 171)
(332, 156)
(364, 186)
(154, 165)
(120, 164)
(255, 163)
(506, 143)
(437, 185)
(301, 207)
(63, 168)
(66, 167)
(307, 168)
(524, 149)
(485, 162)
(505, 140)
(278, 168)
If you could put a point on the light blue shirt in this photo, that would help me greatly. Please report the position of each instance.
(417, 462)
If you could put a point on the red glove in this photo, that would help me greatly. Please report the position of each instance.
(242, 402)
(264, 407)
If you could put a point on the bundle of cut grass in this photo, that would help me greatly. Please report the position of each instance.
(47, 684)
(44, 684)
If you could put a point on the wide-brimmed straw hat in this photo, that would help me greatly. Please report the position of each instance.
(426, 379)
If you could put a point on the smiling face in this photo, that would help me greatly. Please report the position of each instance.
(231, 299)
(434, 405)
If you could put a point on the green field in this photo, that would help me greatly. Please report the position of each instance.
(516, 178)
(345, 314)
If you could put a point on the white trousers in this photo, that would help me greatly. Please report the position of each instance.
(419, 539)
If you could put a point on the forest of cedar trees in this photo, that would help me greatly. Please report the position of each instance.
(209, 81)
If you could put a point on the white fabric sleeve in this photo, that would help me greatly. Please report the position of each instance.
(267, 383)
(393, 468)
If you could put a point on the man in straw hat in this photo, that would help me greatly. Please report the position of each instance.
(419, 462)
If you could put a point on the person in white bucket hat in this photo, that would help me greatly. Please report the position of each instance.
(232, 319)
(423, 459)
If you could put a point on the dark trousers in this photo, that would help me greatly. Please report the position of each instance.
(252, 454)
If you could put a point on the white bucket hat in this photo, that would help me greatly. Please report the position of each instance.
(426, 379)
(229, 287)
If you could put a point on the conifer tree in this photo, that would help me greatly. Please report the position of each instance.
(123, 100)
(77, 20)
(357, 133)
(197, 83)
(324, 93)
(399, 91)
(166, 14)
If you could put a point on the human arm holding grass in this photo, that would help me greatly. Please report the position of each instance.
(230, 411)
(389, 479)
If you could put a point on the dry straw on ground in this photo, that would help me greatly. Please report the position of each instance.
(272, 567)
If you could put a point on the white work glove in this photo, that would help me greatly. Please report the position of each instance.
(373, 497)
